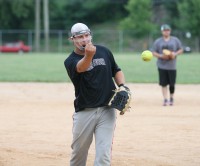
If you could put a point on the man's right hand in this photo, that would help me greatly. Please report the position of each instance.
(90, 50)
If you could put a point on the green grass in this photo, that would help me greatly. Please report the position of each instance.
(32, 68)
(138, 71)
(35, 67)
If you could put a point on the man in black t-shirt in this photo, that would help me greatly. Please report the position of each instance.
(91, 69)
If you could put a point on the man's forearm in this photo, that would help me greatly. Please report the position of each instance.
(119, 78)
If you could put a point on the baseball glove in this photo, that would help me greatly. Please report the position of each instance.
(167, 53)
(121, 99)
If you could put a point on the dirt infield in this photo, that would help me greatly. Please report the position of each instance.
(36, 122)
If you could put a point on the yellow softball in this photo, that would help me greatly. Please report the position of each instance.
(146, 55)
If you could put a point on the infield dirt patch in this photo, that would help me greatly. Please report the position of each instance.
(36, 126)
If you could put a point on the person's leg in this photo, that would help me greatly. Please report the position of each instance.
(171, 90)
(172, 82)
(104, 136)
(163, 82)
(83, 129)
(165, 94)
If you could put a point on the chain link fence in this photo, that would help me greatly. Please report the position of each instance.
(115, 40)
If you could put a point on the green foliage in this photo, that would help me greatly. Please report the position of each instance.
(16, 13)
(50, 68)
(189, 16)
(21, 8)
(140, 16)
(172, 11)
(92, 12)
(139, 19)
(19, 14)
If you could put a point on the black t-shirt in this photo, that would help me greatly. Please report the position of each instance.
(94, 87)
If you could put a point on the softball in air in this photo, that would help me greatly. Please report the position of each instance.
(146, 55)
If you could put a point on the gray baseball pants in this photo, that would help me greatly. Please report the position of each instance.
(99, 122)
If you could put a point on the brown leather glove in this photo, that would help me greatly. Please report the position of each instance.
(167, 54)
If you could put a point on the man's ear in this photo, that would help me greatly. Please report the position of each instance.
(70, 38)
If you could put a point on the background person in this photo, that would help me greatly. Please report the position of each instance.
(91, 69)
(167, 65)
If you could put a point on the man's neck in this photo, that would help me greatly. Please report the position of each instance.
(166, 38)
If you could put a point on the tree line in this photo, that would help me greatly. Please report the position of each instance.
(141, 16)
(20, 14)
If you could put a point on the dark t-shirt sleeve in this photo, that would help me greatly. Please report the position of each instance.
(70, 65)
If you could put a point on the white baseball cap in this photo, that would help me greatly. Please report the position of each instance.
(78, 29)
